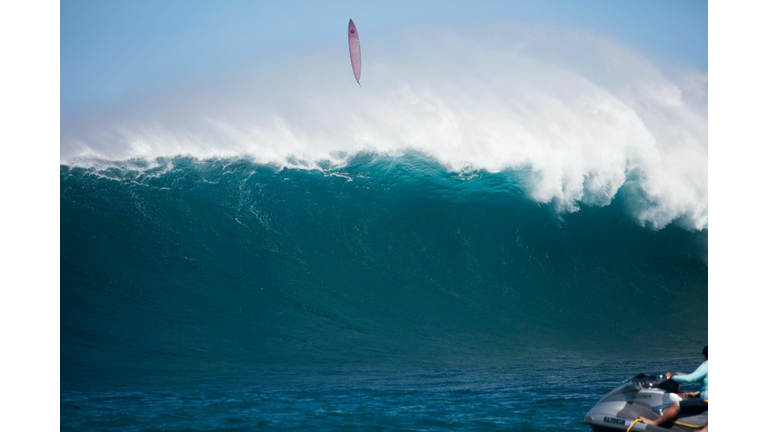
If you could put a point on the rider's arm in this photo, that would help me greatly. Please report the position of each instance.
(694, 376)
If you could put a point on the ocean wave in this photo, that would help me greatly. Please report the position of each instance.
(221, 268)
(583, 115)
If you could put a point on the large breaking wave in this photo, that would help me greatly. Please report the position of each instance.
(186, 268)
(580, 115)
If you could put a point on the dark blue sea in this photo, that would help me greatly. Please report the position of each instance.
(386, 293)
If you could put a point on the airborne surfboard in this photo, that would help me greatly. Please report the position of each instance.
(354, 50)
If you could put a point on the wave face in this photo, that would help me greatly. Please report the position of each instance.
(223, 268)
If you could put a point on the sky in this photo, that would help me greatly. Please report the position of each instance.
(113, 49)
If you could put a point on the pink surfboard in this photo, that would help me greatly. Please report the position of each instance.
(354, 50)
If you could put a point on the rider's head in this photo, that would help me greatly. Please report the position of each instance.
(704, 351)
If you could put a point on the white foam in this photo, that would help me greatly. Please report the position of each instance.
(579, 111)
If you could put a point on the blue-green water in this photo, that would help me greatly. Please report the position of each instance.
(384, 294)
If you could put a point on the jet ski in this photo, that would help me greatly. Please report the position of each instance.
(641, 395)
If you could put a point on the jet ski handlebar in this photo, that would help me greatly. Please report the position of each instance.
(658, 381)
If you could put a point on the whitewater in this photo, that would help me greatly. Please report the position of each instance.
(580, 113)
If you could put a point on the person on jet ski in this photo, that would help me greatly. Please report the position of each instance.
(694, 403)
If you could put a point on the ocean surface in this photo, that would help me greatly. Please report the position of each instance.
(384, 293)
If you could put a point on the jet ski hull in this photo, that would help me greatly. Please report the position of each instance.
(639, 396)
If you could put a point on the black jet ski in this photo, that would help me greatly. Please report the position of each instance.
(641, 395)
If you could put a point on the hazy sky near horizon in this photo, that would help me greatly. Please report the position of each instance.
(111, 51)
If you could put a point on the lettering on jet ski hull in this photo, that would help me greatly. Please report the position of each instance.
(616, 421)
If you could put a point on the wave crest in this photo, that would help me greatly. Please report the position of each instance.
(582, 115)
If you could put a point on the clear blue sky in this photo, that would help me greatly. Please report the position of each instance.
(111, 49)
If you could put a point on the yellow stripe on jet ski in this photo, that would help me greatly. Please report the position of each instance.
(688, 425)
(677, 423)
